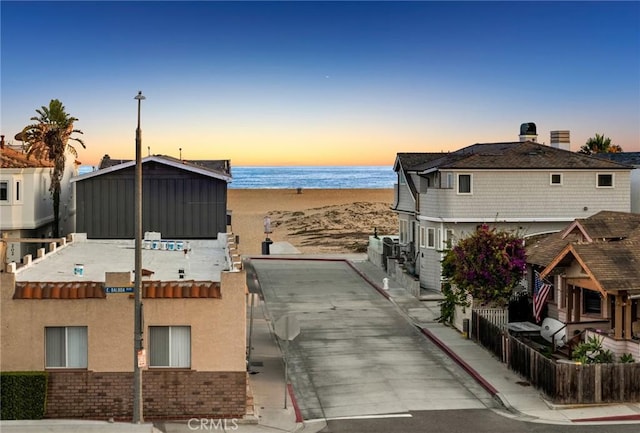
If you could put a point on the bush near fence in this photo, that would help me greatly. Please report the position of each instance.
(23, 395)
(561, 383)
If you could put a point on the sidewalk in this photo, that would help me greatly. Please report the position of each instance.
(518, 398)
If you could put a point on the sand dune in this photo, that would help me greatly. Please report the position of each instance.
(315, 221)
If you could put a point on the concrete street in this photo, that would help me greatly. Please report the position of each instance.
(356, 353)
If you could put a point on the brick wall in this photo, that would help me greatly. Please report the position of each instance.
(167, 394)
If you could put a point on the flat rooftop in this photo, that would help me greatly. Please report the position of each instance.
(204, 262)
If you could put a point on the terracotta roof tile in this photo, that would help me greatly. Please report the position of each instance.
(181, 289)
(95, 290)
(10, 158)
(58, 290)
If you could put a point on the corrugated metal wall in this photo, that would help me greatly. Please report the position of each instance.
(177, 203)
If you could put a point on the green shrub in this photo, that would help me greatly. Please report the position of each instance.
(23, 394)
(627, 358)
(592, 352)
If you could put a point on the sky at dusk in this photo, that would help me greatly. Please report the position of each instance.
(322, 83)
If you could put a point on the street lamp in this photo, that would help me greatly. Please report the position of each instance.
(138, 355)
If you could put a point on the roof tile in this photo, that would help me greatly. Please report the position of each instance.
(95, 290)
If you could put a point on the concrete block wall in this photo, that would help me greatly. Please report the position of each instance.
(167, 394)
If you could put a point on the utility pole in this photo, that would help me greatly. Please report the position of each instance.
(138, 356)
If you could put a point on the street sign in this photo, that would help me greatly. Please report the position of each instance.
(287, 327)
(118, 289)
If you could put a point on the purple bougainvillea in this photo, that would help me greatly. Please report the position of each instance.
(488, 264)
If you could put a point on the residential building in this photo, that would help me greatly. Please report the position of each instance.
(632, 159)
(180, 199)
(71, 314)
(594, 266)
(524, 186)
(26, 204)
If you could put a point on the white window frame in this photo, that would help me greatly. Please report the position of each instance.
(184, 357)
(431, 238)
(75, 339)
(423, 237)
(470, 184)
(552, 183)
(613, 180)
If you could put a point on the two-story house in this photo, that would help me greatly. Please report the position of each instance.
(26, 205)
(523, 186)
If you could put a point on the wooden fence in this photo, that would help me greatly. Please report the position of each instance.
(560, 382)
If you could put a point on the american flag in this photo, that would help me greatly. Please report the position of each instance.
(540, 292)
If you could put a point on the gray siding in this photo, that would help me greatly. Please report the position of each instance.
(528, 194)
(177, 203)
(405, 199)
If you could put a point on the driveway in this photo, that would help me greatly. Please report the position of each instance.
(357, 354)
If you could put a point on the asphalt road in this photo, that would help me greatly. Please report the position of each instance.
(464, 421)
(356, 353)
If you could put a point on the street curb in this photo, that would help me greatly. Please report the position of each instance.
(294, 403)
(462, 363)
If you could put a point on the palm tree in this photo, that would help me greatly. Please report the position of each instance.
(48, 138)
(599, 144)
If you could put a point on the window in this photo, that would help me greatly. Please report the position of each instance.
(464, 184)
(592, 302)
(401, 178)
(423, 237)
(556, 178)
(605, 180)
(66, 347)
(4, 191)
(403, 231)
(170, 346)
(449, 183)
(449, 238)
(431, 237)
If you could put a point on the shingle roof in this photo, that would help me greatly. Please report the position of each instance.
(524, 155)
(201, 169)
(615, 265)
(605, 225)
(219, 165)
(414, 161)
(95, 290)
(10, 158)
(629, 158)
(613, 257)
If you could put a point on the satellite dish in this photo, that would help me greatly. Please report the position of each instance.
(550, 327)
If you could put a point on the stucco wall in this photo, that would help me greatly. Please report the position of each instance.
(218, 327)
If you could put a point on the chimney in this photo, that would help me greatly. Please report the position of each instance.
(528, 132)
(560, 140)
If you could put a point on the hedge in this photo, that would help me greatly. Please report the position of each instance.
(23, 394)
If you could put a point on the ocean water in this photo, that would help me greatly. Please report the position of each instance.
(308, 177)
(313, 177)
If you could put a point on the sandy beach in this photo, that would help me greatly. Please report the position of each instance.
(315, 221)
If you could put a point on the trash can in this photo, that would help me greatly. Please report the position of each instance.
(265, 246)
